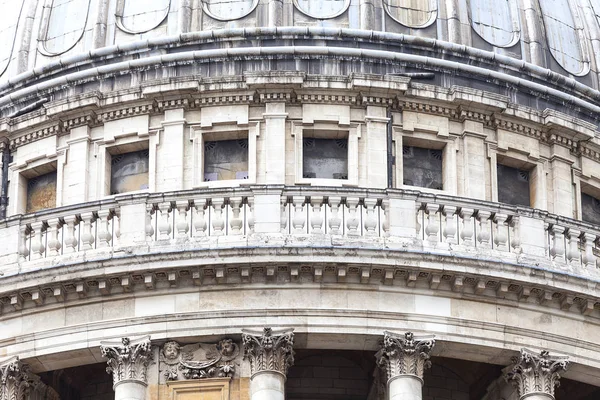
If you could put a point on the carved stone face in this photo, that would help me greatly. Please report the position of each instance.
(171, 350)
(227, 347)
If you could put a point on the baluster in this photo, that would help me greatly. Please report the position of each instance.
(573, 254)
(449, 231)
(352, 222)
(299, 217)
(316, 219)
(433, 224)
(418, 225)
(116, 221)
(284, 215)
(483, 234)
(515, 237)
(589, 259)
(182, 225)
(104, 234)
(23, 245)
(54, 244)
(250, 215)
(164, 226)
(466, 233)
(370, 223)
(557, 251)
(501, 231)
(335, 222)
(218, 222)
(386, 217)
(38, 246)
(149, 228)
(236, 221)
(87, 237)
(71, 241)
(200, 224)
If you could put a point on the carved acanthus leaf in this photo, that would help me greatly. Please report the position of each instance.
(404, 355)
(127, 359)
(536, 373)
(14, 382)
(269, 351)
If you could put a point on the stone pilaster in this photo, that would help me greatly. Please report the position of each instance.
(404, 358)
(128, 363)
(536, 375)
(14, 380)
(270, 355)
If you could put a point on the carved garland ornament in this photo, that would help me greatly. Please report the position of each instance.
(14, 382)
(536, 373)
(127, 359)
(404, 355)
(269, 351)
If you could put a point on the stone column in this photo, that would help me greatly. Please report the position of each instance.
(14, 380)
(404, 358)
(536, 375)
(270, 355)
(128, 362)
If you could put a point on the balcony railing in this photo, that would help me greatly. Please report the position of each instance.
(347, 216)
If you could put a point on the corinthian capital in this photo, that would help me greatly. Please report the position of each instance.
(127, 359)
(269, 351)
(404, 354)
(537, 373)
(14, 382)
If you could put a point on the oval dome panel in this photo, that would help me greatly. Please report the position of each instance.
(495, 22)
(9, 21)
(412, 13)
(66, 24)
(142, 16)
(227, 10)
(562, 36)
(322, 9)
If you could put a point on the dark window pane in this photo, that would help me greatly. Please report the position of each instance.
(41, 192)
(129, 172)
(325, 158)
(590, 209)
(226, 160)
(422, 167)
(513, 186)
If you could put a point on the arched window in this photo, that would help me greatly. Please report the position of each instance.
(134, 16)
(412, 13)
(65, 22)
(9, 21)
(496, 21)
(322, 9)
(227, 10)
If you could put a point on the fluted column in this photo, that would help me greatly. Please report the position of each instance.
(270, 355)
(128, 362)
(404, 358)
(536, 375)
(14, 380)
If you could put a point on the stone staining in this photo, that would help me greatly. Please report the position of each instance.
(134, 16)
(422, 167)
(9, 21)
(228, 10)
(199, 361)
(41, 192)
(412, 13)
(322, 9)
(562, 36)
(269, 351)
(127, 359)
(495, 22)
(404, 354)
(14, 382)
(325, 158)
(129, 172)
(65, 25)
(535, 373)
(225, 160)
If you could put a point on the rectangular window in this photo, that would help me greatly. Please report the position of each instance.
(129, 172)
(41, 192)
(513, 186)
(590, 209)
(325, 158)
(225, 160)
(422, 167)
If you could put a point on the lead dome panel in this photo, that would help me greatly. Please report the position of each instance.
(141, 16)
(66, 22)
(412, 13)
(322, 9)
(495, 21)
(9, 21)
(226, 10)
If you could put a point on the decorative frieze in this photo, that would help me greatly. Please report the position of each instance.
(127, 359)
(14, 380)
(537, 373)
(269, 351)
(36, 135)
(404, 354)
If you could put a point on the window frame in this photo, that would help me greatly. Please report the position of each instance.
(537, 180)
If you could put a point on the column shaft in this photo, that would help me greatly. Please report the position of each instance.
(405, 387)
(267, 385)
(130, 389)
